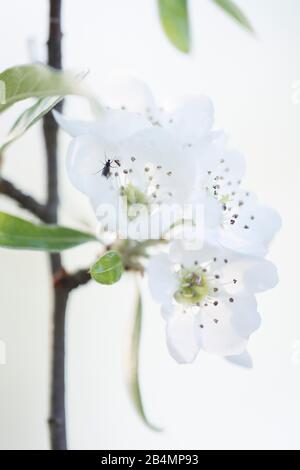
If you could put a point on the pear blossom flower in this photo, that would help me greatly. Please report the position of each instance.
(240, 222)
(234, 218)
(208, 299)
(134, 160)
(129, 170)
(190, 122)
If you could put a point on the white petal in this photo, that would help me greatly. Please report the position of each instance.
(261, 276)
(71, 126)
(245, 317)
(115, 126)
(176, 250)
(105, 205)
(146, 225)
(180, 255)
(212, 212)
(85, 159)
(128, 92)
(234, 165)
(253, 274)
(162, 282)
(268, 222)
(220, 338)
(193, 120)
(157, 147)
(207, 156)
(242, 360)
(253, 229)
(240, 242)
(181, 338)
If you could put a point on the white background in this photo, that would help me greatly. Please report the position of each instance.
(209, 404)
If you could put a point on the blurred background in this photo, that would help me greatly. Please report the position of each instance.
(254, 82)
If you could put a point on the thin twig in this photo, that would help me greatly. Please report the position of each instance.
(57, 418)
(24, 200)
(72, 281)
(63, 283)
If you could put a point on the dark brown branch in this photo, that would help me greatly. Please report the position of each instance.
(57, 418)
(63, 283)
(49, 124)
(24, 200)
(72, 281)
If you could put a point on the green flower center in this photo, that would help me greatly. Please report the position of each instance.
(224, 199)
(193, 287)
(134, 197)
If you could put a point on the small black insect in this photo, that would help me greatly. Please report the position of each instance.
(108, 165)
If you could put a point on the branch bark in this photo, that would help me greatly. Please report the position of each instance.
(63, 283)
(71, 281)
(24, 200)
(57, 420)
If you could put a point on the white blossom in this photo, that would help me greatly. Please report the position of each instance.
(239, 221)
(234, 218)
(137, 159)
(129, 168)
(208, 299)
(189, 122)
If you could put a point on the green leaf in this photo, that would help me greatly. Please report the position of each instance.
(36, 81)
(175, 22)
(235, 12)
(28, 118)
(20, 234)
(108, 269)
(133, 379)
